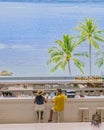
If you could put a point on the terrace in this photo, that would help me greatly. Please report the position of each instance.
(18, 107)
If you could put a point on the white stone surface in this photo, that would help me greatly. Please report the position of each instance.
(51, 126)
(22, 110)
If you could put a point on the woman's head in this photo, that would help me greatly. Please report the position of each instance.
(40, 92)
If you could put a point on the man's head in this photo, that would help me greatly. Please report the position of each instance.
(59, 91)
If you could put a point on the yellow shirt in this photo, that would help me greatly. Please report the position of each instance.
(59, 101)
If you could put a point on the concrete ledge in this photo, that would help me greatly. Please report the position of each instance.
(22, 110)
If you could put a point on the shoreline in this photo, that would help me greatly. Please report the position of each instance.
(52, 80)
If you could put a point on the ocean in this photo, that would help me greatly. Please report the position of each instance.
(28, 30)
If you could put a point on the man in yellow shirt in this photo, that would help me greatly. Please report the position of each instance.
(59, 102)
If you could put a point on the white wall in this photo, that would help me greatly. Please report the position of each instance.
(22, 110)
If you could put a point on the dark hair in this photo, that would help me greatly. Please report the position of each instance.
(59, 90)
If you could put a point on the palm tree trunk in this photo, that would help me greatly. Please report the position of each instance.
(90, 60)
(69, 67)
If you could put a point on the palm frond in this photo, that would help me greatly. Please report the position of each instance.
(56, 59)
(55, 67)
(77, 42)
(98, 53)
(53, 54)
(94, 43)
(100, 62)
(99, 38)
(63, 64)
(93, 29)
(99, 32)
(49, 61)
(82, 28)
(66, 40)
(50, 50)
(79, 64)
(85, 54)
(91, 25)
(61, 44)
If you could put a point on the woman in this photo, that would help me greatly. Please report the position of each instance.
(39, 101)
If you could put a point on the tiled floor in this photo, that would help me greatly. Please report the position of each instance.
(51, 126)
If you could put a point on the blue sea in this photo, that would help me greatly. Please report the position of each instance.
(28, 30)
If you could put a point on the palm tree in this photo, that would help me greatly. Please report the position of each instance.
(89, 32)
(100, 59)
(63, 54)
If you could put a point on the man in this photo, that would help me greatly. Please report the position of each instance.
(59, 102)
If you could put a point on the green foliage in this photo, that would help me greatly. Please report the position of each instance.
(79, 64)
(82, 54)
(64, 52)
(99, 62)
(89, 32)
(61, 55)
(100, 58)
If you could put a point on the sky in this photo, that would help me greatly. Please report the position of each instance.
(28, 30)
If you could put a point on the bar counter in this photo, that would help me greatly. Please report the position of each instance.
(21, 109)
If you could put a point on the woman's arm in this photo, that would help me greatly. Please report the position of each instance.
(45, 99)
(35, 100)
